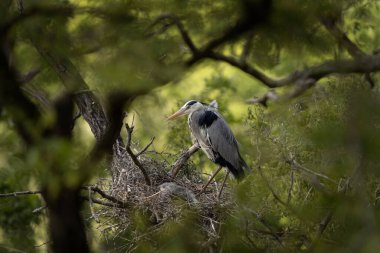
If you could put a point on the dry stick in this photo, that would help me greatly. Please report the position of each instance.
(224, 182)
(212, 177)
(15, 194)
(134, 157)
(183, 159)
(298, 166)
(23, 193)
(104, 195)
(146, 147)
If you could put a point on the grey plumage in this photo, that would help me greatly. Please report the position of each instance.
(214, 136)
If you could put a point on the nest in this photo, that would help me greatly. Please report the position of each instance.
(165, 199)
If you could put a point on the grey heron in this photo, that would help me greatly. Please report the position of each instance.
(213, 136)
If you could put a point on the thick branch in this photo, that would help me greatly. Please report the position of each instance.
(183, 159)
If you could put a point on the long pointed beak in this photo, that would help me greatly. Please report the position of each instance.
(178, 113)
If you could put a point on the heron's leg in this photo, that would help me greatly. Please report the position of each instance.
(212, 177)
(224, 182)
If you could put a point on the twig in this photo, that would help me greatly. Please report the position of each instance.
(291, 186)
(298, 166)
(104, 195)
(270, 231)
(39, 209)
(129, 134)
(146, 148)
(211, 178)
(15, 194)
(183, 159)
(90, 204)
(133, 156)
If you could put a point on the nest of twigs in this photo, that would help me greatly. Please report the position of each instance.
(164, 199)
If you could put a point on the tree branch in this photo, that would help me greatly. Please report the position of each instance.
(145, 148)
(183, 159)
(104, 195)
(298, 166)
(134, 157)
(342, 39)
(22, 193)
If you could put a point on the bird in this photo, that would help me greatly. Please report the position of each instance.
(214, 137)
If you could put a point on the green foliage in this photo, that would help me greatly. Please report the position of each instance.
(314, 156)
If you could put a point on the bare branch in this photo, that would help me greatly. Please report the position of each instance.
(298, 166)
(39, 209)
(104, 195)
(134, 157)
(146, 147)
(183, 159)
(15, 194)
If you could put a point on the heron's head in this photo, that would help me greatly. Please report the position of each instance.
(187, 108)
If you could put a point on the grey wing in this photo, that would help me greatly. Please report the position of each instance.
(223, 141)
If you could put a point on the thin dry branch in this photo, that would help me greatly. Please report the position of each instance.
(104, 195)
(134, 157)
(114, 202)
(15, 194)
(145, 148)
(181, 161)
(298, 166)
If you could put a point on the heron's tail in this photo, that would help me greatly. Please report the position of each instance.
(241, 170)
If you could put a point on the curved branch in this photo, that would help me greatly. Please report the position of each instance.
(183, 159)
